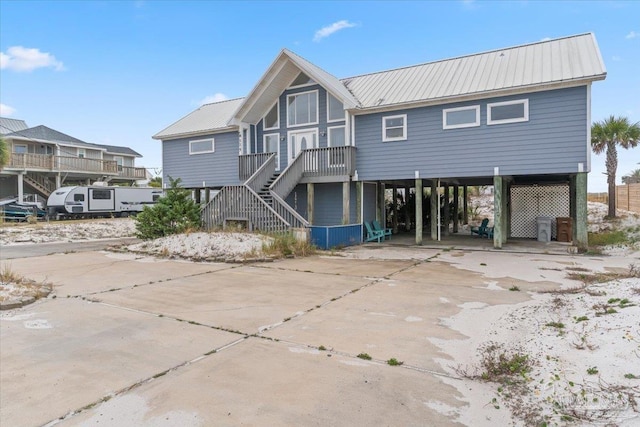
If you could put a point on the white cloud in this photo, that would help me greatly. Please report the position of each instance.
(545, 39)
(330, 29)
(616, 58)
(632, 35)
(18, 58)
(6, 111)
(216, 97)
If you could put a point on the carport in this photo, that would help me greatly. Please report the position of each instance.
(517, 202)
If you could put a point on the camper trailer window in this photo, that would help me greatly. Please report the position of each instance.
(101, 194)
(156, 197)
(78, 197)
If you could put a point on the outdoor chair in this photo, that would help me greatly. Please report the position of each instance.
(482, 229)
(386, 231)
(373, 234)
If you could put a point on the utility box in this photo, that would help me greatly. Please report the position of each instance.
(564, 229)
(544, 228)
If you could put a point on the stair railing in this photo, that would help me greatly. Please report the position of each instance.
(239, 202)
(261, 177)
(290, 177)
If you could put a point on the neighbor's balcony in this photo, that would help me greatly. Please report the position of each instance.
(318, 163)
(49, 162)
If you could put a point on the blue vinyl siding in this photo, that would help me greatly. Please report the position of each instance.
(215, 169)
(297, 199)
(282, 131)
(554, 140)
(328, 204)
(369, 201)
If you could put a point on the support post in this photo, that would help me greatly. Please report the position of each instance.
(310, 198)
(380, 214)
(207, 195)
(572, 208)
(505, 210)
(419, 211)
(407, 214)
(346, 201)
(497, 212)
(359, 202)
(435, 207)
(58, 180)
(582, 240)
(198, 192)
(394, 205)
(465, 205)
(456, 207)
(20, 187)
(447, 210)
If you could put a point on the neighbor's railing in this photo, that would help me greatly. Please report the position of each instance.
(62, 163)
(248, 164)
(132, 172)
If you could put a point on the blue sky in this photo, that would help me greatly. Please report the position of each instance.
(117, 72)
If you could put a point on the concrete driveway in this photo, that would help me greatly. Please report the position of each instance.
(128, 340)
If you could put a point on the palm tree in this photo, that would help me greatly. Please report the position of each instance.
(632, 178)
(607, 135)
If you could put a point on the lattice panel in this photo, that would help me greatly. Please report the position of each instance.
(529, 202)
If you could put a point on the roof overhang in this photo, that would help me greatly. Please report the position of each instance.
(278, 77)
(204, 132)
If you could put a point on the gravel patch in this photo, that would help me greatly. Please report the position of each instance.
(226, 247)
(67, 231)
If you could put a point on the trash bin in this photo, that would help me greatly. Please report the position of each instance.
(564, 229)
(544, 228)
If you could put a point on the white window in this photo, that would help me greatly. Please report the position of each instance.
(335, 109)
(19, 149)
(302, 80)
(82, 153)
(336, 136)
(508, 112)
(394, 128)
(272, 118)
(201, 146)
(302, 108)
(119, 161)
(461, 117)
(271, 143)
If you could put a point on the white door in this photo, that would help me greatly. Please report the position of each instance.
(301, 140)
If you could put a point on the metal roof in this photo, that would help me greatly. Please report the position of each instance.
(541, 65)
(537, 64)
(8, 125)
(207, 118)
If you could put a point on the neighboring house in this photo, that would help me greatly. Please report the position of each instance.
(43, 159)
(305, 147)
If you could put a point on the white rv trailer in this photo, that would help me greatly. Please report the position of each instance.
(83, 201)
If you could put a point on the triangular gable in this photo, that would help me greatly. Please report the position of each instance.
(277, 78)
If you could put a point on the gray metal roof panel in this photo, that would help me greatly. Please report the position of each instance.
(208, 118)
(8, 125)
(546, 62)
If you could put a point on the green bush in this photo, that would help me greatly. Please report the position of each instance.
(175, 213)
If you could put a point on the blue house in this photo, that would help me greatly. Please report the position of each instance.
(305, 148)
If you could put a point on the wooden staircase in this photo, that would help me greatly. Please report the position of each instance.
(256, 202)
(40, 183)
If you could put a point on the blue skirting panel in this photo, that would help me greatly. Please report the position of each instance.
(336, 235)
